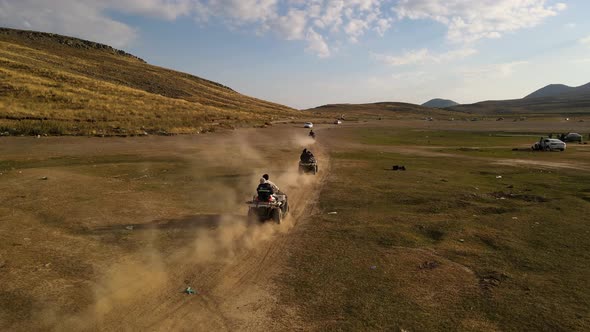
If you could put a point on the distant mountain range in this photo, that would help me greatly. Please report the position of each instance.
(439, 103)
(556, 99)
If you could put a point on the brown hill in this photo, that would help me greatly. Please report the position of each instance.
(561, 90)
(381, 109)
(53, 84)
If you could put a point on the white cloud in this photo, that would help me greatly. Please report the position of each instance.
(424, 56)
(312, 21)
(292, 26)
(317, 44)
(585, 41)
(499, 70)
(301, 20)
(468, 20)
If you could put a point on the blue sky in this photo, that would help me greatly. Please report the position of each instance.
(306, 53)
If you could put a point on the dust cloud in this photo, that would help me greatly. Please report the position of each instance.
(123, 286)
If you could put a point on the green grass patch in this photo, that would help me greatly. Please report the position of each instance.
(445, 245)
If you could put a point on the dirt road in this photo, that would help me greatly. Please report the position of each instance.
(105, 234)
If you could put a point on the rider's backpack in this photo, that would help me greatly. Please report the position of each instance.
(264, 191)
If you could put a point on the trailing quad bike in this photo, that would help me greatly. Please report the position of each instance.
(274, 208)
(308, 167)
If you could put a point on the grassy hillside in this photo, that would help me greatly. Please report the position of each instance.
(51, 84)
(382, 110)
(560, 90)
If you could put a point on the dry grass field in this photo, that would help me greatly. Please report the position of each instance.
(106, 233)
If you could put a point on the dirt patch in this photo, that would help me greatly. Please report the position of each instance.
(542, 164)
(175, 218)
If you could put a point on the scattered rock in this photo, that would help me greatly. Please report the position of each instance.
(491, 279)
(44, 178)
(373, 267)
(333, 212)
(498, 176)
(461, 240)
(429, 265)
(129, 228)
(514, 218)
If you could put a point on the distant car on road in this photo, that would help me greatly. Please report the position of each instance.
(308, 125)
(549, 144)
(337, 122)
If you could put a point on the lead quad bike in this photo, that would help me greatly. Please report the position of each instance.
(263, 208)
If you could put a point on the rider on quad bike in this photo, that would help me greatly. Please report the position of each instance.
(307, 162)
(311, 134)
(269, 203)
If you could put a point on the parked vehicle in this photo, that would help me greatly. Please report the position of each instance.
(549, 144)
(308, 125)
(572, 137)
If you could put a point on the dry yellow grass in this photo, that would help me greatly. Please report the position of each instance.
(51, 84)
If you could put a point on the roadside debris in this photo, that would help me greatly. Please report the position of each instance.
(514, 218)
(44, 178)
(498, 176)
(129, 228)
(373, 267)
(398, 168)
(461, 240)
(333, 212)
(190, 291)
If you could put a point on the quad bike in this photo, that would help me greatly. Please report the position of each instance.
(308, 167)
(275, 208)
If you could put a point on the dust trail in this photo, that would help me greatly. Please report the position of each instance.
(125, 284)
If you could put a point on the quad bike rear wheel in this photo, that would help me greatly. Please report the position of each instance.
(277, 215)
